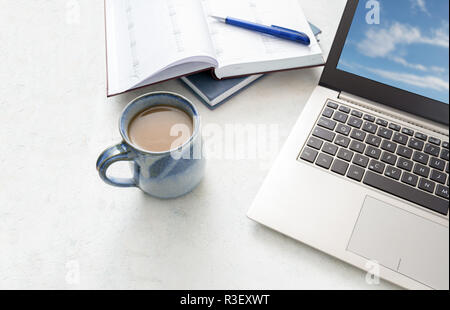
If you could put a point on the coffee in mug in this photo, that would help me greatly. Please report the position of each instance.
(161, 129)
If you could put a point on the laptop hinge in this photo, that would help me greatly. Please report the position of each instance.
(394, 113)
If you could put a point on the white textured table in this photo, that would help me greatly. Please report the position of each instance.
(61, 227)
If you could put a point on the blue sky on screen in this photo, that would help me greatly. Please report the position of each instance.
(409, 49)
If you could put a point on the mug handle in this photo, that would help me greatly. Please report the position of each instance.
(120, 152)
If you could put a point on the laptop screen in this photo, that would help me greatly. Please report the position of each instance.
(401, 43)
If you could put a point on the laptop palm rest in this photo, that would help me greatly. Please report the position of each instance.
(404, 242)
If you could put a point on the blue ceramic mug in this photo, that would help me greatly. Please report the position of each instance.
(164, 175)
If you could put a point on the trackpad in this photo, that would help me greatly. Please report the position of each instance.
(404, 242)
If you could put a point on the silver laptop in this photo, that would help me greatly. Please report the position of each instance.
(364, 175)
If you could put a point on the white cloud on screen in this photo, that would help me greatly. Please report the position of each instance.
(405, 63)
(440, 36)
(421, 5)
(438, 69)
(343, 62)
(380, 42)
(422, 81)
(428, 82)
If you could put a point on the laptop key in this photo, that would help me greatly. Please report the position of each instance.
(373, 152)
(373, 140)
(438, 177)
(416, 144)
(330, 149)
(309, 155)
(432, 149)
(385, 133)
(369, 118)
(442, 191)
(324, 161)
(427, 185)
(437, 164)
(358, 135)
(422, 170)
(332, 105)
(376, 166)
(343, 129)
(410, 179)
(324, 134)
(342, 141)
(404, 152)
(345, 155)
(355, 173)
(315, 143)
(421, 136)
(388, 158)
(355, 122)
(393, 173)
(344, 109)
(389, 146)
(405, 164)
(406, 192)
(444, 154)
(421, 158)
(445, 145)
(370, 128)
(340, 117)
(340, 167)
(326, 123)
(361, 160)
(357, 147)
(400, 138)
(357, 114)
(328, 113)
(434, 141)
(408, 132)
(382, 122)
(394, 127)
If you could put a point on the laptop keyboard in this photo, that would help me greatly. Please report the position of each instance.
(381, 154)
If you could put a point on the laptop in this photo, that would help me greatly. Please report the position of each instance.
(364, 175)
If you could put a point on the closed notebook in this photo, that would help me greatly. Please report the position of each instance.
(214, 92)
(149, 42)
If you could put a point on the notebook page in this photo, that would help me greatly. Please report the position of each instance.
(234, 45)
(145, 37)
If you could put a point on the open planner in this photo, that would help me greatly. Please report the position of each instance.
(153, 41)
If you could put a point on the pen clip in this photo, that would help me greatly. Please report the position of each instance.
(286, 29)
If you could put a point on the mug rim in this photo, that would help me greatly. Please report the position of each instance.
(195, 120)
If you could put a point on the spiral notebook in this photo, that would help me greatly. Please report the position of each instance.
(148, 42)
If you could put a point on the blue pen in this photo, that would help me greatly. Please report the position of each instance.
(276, 31)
